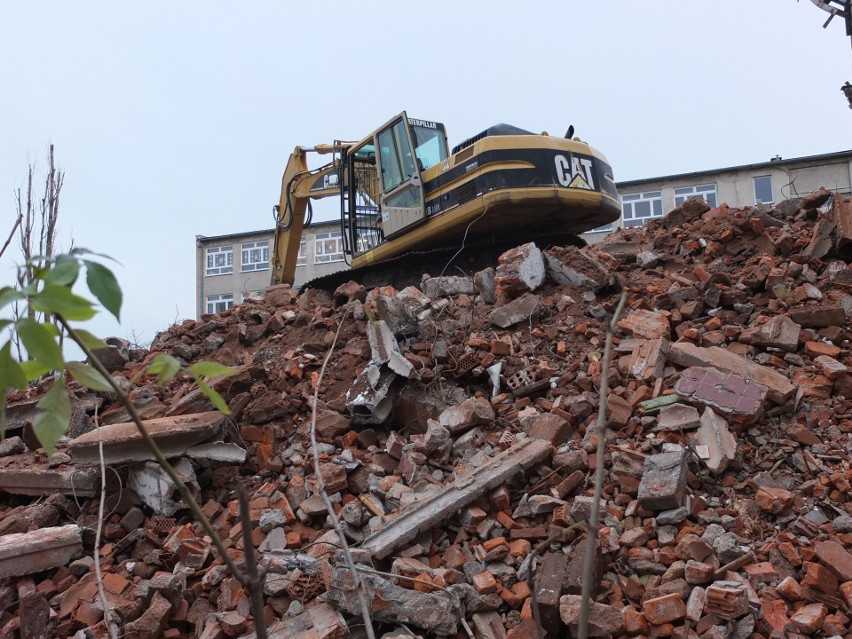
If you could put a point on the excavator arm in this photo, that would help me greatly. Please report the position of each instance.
(299, 185)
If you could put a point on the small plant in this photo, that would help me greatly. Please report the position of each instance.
(50, 295)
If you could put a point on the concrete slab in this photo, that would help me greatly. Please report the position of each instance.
(123, 443)
(32, 552)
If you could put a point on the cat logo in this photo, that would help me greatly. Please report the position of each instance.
(575, 173)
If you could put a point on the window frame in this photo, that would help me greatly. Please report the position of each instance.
(319, 248)
(302, 256)
(211, 269)
(629, 202)
(220, 298)
(247, 248)
(757, 199)
(698, 190)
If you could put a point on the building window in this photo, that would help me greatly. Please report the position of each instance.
(707, 192)
(220, 260)
(256, 256)
(255, 294)
(219, 303)
(302, 258)
(763, 189)
(328, 247)
(636, 208)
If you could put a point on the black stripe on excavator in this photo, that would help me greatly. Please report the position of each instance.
(550, 168)
(520, 178)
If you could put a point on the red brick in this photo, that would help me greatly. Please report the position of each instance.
(664, 609)
(820, 578)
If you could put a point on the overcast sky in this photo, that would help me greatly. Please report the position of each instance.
(175, 119)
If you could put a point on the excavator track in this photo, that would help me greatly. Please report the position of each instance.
(408, 268)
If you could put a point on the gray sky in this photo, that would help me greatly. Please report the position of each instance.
(174, 119)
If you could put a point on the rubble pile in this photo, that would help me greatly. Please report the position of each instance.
(455, 443)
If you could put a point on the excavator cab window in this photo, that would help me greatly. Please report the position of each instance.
(397, 162)
(430, 144)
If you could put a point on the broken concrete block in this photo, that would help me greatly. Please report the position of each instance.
(663, 481)
(471, 412)
(779, 332)
(677, 417)
(318, 621)
(447, 286)
(604, 620)
(156, 489)
(370, 398)
(432, 511)
(646, 324)
(686, 354)
(399, 316)
(42, 549)
(519, 270)
(12, 446)
(384, 349)
(485, 286)
(122, 443)
(390, 603)
(714, 443)
(583, 267)
(737, 398)
(522, 309)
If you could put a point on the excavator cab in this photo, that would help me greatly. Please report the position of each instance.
(382, 194)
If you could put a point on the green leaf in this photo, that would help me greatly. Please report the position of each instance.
(33, 369)
(88, 376)
(52, 422)
(64, 271)
(104, 286)
(9, 295)
(40, 343)
(4, 323)
(60, 300)
(92, 341)
(213, 396)
(210, 369)
(164, 367)
(11, 373)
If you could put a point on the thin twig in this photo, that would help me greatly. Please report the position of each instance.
(111, 628)
(254, 579)
(350, 562)
(589, 559)
(187, 497)
(11, 234)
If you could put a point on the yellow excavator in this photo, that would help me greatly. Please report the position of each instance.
(406, 201)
